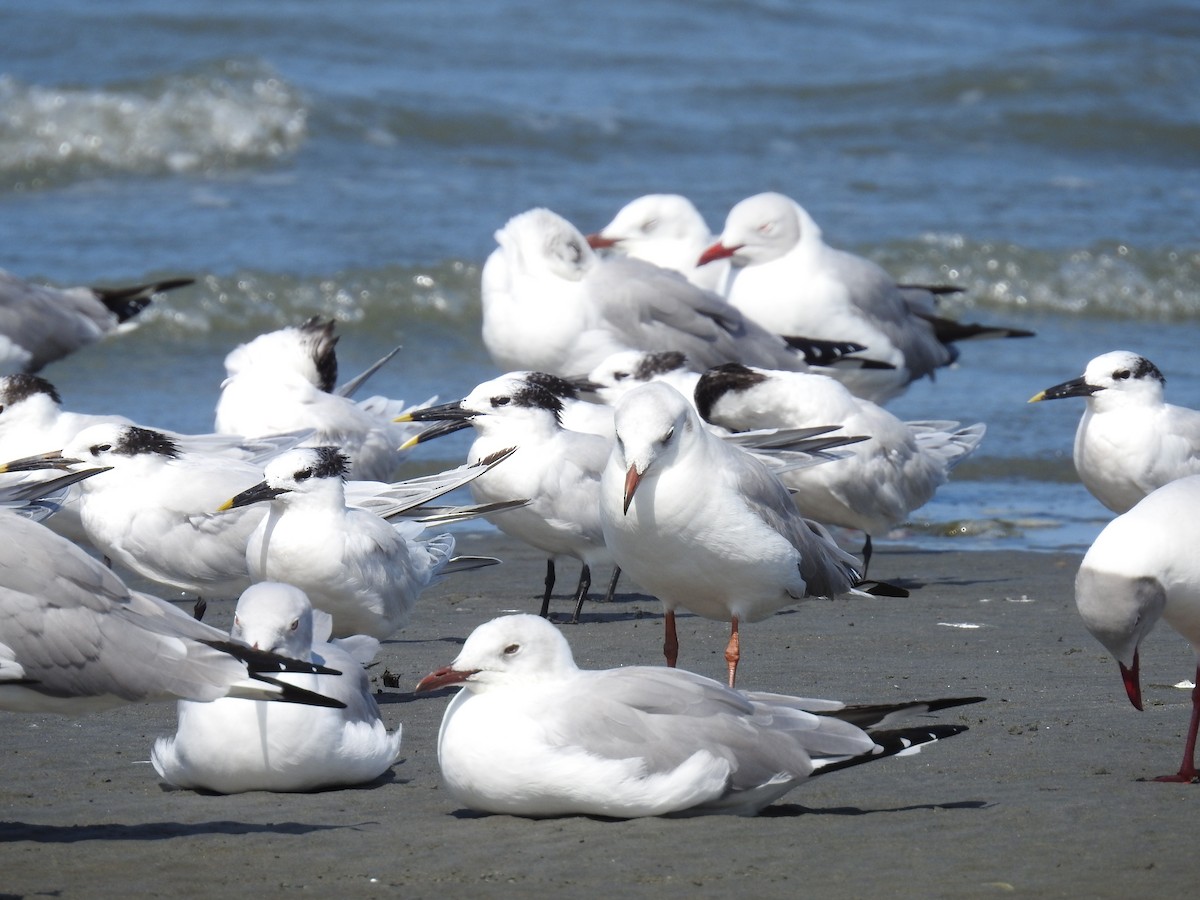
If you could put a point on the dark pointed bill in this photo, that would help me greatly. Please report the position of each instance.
(260, 492)
(39, 461)
(1076, 387)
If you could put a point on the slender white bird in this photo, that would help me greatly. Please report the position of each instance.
(531, 734)
(234, 745)
(282, 381)
(40, 324)
(1129, 441)
(75, 639)
(556, 468)
(668, 231)
(788, 280)
(880, 481)
(154, 511)
(706, 527)
(363, 570)
(1142, 568)
(552, 304)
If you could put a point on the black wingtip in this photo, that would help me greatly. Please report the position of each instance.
(893, 742)
(292, 694)
(127, 302)
(260, 662)
(882, 589)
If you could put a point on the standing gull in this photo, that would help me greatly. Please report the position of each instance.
(1129, 441)
(531, 734)
(234, 745)
(706, 527)
(1144, 567)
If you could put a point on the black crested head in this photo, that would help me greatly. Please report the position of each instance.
(319, 338)
(15, 388)
(330, 463)
(557, 386)
(659, 364)
(719, 381)
(135, 441)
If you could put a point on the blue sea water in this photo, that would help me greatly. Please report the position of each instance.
(354, 160)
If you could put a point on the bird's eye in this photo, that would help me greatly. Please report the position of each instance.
(649, 225)
(670, 434)
(100, 448)
(620, 376)
(766, 228)
(1121, 374)
(303, 475)
(511, 649)
(295, 624)
(501, 401)
(575, 252)
(1, 407)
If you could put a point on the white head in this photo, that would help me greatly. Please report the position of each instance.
(543, 243)
(305, 350)
(652, 423)
(1119, 611)
(510, 650)
(274, 617)
(656, 217)
(108, 444)
(1112, 379)
(300, 472)
(761, 229)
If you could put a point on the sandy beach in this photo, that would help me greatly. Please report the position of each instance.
(1043, 796)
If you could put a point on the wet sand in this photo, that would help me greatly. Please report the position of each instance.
(1042, 797)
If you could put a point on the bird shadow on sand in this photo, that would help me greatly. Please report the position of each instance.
(777, 811)
(388, 777)
(788, 810)
(151, 831)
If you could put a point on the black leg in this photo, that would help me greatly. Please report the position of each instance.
(545, 613)
(581, 592)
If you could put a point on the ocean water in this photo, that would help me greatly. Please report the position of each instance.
(354, 160)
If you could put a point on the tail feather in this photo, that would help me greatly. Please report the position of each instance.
(949, 331)
(467, 563)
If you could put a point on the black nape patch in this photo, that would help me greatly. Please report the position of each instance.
(331, 463)
(559, 387)
(531, 396)
(720, 380)
(659, 364)
(321, 341)
(135, 441)
(15, 388)
(1146, 369)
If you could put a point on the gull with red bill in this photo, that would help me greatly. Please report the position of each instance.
(1142, 568)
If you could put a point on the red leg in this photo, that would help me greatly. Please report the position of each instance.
(1187, 769)
(733, 650)
(671, 640)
